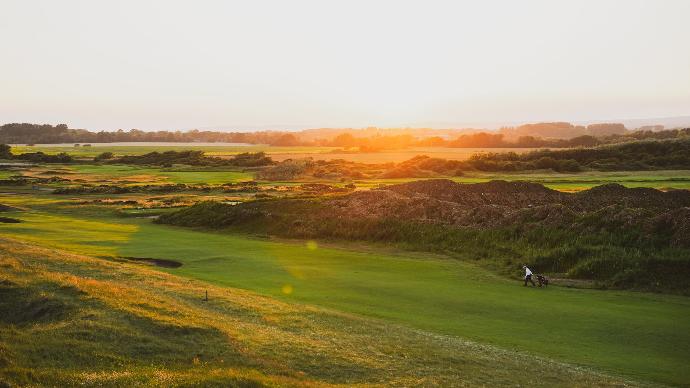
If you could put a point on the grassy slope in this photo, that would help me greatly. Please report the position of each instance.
(71, 320)
(643, 336)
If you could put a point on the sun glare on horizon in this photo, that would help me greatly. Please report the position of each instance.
(291, 65)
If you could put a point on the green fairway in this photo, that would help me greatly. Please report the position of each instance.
(643, 336)
(146, 175)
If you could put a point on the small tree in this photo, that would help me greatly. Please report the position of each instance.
(103, 156)
(5, 151)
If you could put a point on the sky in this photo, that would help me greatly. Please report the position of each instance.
(296, 64)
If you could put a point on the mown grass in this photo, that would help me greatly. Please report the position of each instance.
(72, 320)
(643, 336)
(165, 175)
(4, 174)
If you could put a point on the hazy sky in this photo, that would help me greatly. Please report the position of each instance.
(291, 64)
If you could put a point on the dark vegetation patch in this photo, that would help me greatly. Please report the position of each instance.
(618, 237)
(21, 180)
(116, 189)
(9, 220)
(6, 208)
(35, 157)
(41, 157)
(163, 159)
(55, 172)
(643, 155)
(635, 156)
(123, 202)
(165, 263)
(307, 189)
(337, 169)
(191, 158)
(241, 187)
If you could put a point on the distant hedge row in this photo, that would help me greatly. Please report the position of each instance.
(36, 157)
(643, 155)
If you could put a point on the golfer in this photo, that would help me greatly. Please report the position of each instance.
(528, 276)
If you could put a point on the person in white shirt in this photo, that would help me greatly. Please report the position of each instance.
(528, 276)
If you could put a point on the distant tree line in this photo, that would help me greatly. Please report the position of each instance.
(497, 140)
(565, 130)
(27, 133)
(541, 135)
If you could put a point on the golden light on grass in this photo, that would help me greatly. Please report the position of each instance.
(287, 289)
(128, 303)
(312, 245)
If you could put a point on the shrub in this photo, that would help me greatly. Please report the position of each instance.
(103, 156)
(288, 169)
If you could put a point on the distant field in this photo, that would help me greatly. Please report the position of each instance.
(584, 327)
(189, 176)
(277, 153)
(128, 174)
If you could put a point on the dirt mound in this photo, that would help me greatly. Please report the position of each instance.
(555, 214)
(675, 223)
(444, 201)
(437, 188)
(511, 194)
(499, 203)
(638, 197)
(389, 204)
